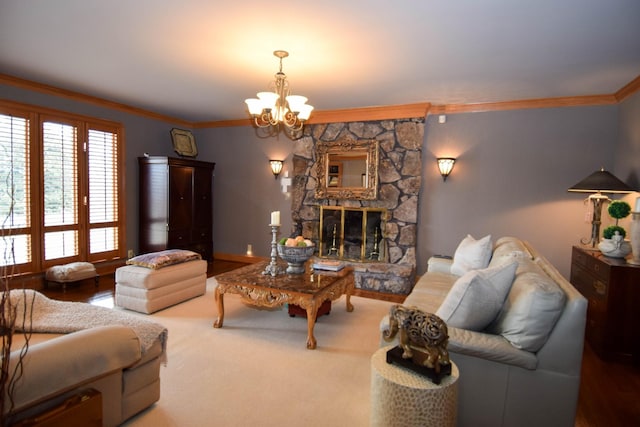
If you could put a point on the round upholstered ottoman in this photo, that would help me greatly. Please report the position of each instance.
(400, 397)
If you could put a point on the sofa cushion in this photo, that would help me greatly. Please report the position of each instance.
(471, 254)
(430, 291)
(530, 310)
(508, 249)
(477, 297)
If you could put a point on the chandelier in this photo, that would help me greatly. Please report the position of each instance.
(278, 106)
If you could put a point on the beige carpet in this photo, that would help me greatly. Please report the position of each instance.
(256, 369)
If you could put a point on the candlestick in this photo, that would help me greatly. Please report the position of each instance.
(272, 267)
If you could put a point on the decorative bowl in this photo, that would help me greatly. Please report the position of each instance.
(295, 256)
(615, 247)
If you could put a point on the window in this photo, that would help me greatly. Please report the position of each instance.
(59, 188)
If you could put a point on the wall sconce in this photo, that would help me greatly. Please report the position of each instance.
(276, 167)
(445, 165)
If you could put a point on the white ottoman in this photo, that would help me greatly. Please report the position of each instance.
(146, 290)
(70, 273)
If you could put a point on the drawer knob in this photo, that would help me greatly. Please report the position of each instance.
(600, 288)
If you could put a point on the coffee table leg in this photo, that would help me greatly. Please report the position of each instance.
(312, 312)
(220, 303)
(349, 305)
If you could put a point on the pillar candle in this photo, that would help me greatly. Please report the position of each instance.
(275, 218)
(637, 205)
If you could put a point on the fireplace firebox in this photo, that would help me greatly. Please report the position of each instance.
(352, 233)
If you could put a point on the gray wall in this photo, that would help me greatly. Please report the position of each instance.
(627, 160)
(245, 191)
(511, 177)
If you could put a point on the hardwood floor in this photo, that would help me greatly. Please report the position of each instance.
(609, 391)
(103, 294)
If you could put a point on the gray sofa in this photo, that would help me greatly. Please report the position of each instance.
(120, 359)
(511, 377)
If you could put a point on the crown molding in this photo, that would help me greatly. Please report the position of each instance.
(81, 97)
(390, 112)
(222, 123)
(629, 89)
(569, 101)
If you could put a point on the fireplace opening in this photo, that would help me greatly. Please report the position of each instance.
(352, 233)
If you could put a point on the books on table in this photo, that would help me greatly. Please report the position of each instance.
(328, 265)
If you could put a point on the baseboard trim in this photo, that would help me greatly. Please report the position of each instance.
(383, 296)
(238, 258)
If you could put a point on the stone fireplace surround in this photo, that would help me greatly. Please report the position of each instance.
(399, 181)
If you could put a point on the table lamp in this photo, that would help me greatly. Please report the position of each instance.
(598, 183)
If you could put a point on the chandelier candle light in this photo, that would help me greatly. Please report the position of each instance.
(279, 106)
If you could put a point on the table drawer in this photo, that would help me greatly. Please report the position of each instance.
(579, 257)
(591, 264)
(589, 284)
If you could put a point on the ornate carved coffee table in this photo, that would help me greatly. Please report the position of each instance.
(308, 290)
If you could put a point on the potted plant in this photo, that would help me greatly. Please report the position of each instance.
(613, 244)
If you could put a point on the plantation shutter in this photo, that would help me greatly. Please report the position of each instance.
(15, 208)
(60, 190)
(102, 150)
(60, 165)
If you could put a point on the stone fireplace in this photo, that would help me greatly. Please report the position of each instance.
(399, 181)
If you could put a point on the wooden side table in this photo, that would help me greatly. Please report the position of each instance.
(400, 397)
(612, 287)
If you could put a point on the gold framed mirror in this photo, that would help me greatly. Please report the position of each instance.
(347, 169)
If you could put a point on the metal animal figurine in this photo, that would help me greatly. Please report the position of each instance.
(424, 333)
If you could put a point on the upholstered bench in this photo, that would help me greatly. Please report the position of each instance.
(70, 273)
(157, 280)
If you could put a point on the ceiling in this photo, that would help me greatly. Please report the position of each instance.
(198, 60)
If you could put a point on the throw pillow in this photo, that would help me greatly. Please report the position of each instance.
(477, 297)
(156, 260)
(530, 311)
(471, 254)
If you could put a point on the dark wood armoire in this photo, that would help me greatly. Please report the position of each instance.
(176, 205)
